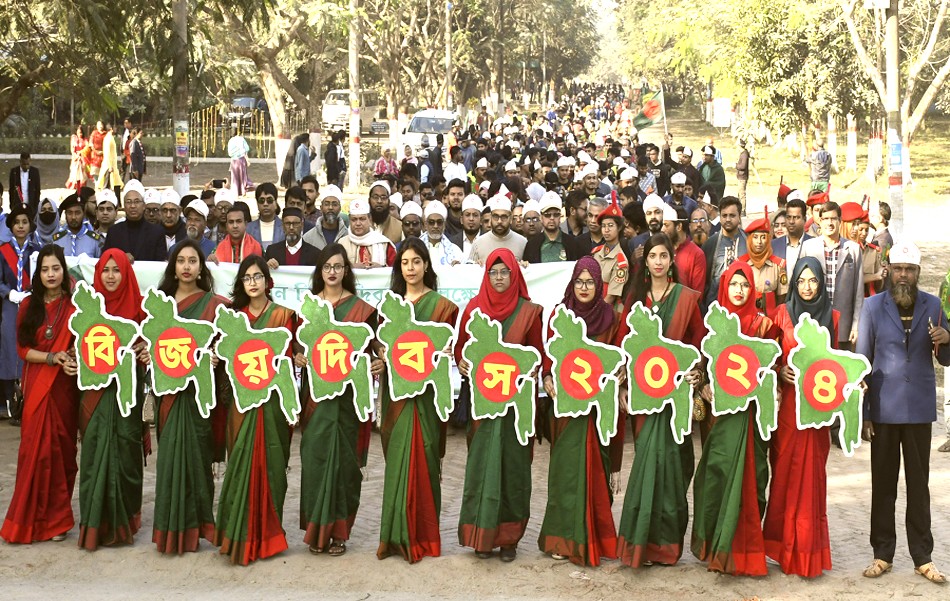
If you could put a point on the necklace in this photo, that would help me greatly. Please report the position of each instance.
(323, 295)
(656, 303)
(48, 334)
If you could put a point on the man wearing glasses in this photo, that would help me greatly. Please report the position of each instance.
(552, 244)
(442, 250)
(500, 234)
(292, 250)
(267, 228)
(135, 236)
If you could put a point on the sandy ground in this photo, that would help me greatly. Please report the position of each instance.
(44, 570)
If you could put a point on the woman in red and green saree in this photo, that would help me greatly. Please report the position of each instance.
(413, 436)
(733, 473)
(496, 498)
(796, 521)
(251, 505)
(41, 507)
(111, 464)
(333, 442)
(578, 524)
(655, 511)
(184, 484)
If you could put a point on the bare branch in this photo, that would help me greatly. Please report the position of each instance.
(869, 67)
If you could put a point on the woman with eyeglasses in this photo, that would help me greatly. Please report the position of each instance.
(655, 511)
(111, 464)
(496, 498)
(184, 483)
(413, 436)
(578, 524)
(41, 508)
(251, 506)
(796, 521)
(733, 473)
(333, 443)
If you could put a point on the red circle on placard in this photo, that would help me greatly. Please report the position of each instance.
(420, 366)
(736, 370)
(815, 384)
(503, 391)
(654, 372)
(255, 371)
(338, 365)
(92, 354)
(169, 359)
(570, 366)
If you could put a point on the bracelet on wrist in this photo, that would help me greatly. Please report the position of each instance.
(50, 359)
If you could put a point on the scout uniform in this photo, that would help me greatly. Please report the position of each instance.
(771, 279)
(613, 261)
(86, 242)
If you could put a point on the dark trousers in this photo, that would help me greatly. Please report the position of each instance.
(890, 441)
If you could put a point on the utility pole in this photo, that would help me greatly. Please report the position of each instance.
(181, 98)
(449, 97)
(895, 170)
(353, 163)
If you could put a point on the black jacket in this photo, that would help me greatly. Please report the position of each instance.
(572, 248)
(33, 193)
(143, 240)
(278, 252)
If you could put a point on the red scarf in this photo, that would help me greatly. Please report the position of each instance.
(500, 305)
(126, 300)
(747, 312)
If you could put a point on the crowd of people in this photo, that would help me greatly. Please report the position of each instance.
(634, 222)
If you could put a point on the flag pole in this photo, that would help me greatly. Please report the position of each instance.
(666, 129)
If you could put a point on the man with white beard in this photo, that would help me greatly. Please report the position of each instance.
(196, 220)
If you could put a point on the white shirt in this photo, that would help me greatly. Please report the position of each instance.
(25, 184)
(455, 171)
(267, 232)
(292, 250)
(443, 252)
(467, 245)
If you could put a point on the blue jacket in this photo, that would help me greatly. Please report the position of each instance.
(902, 387)
(254, 231)
(780, 245)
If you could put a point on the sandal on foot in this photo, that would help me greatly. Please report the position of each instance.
(877, 568)
(483, 554)
(508, 554)
(931, 573)
(337, 548)
(558, 557)
(945, 447)
(316, 550)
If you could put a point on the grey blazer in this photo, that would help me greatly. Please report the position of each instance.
(849, 283)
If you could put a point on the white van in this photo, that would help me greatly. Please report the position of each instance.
(336, 110)
(428, 123)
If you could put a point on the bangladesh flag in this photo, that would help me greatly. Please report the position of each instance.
(652, 111)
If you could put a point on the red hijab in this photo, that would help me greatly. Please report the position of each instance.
(747, 312)
(598, 315)
(500, 305)
(126, 301)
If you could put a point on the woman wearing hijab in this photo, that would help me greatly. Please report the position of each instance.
(413, 435)
(47, 221)
(251, 506)
(41, 507)
(796, 522)
(731, 478)
(111, 465)
(184, 484)
(333, 442)
(496, 498)
(578, 524)
(14, 288)
(655, 511)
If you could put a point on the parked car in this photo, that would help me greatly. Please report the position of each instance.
(428, 123)
(336, 110)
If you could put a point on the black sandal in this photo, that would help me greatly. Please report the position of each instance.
(337, 548)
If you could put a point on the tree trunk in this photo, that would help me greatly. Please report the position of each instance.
(274, 96)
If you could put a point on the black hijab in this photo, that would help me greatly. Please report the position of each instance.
(820, 307)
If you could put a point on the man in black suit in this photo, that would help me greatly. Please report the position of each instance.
(25, 184)
(552, 244)
(292, 250)
(139, 239)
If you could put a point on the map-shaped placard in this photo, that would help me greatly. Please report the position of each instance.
(740, 369)
(584, 373)
(336, 355)
(180, 350)
(256, 363)
(500, 375)
(104, 347)
(656, 371)
(826, 383)
(416, 353)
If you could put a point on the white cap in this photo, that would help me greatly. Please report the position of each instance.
(565, 162)
(133, 185)
(511, 165)
(410, 208)
(706, 198)
(383, 184)
(331, 191)
(170, 196)
(359, 206)
(531, 206)
(153, 196)
(499, 202)
(199, 206)
(537, 164)
(590, 169)
(653, 201)
(535, 191)
(481, 163)
(795, 195)
(550, 200)
(624, 153)
(678, 178)
(436, 208)
(905, 252)
(583, 157)
(669, 213)
(619, 162)
(687, 151)
(472, 201)
(107, 195)
(226, 195)
(708, 150)
(628, 173)
(396, 199)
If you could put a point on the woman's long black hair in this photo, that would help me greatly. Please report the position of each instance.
(429, 278)
(239, 297)
(331, 250)
(642, 279)
(169, 283)
(35, 313)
